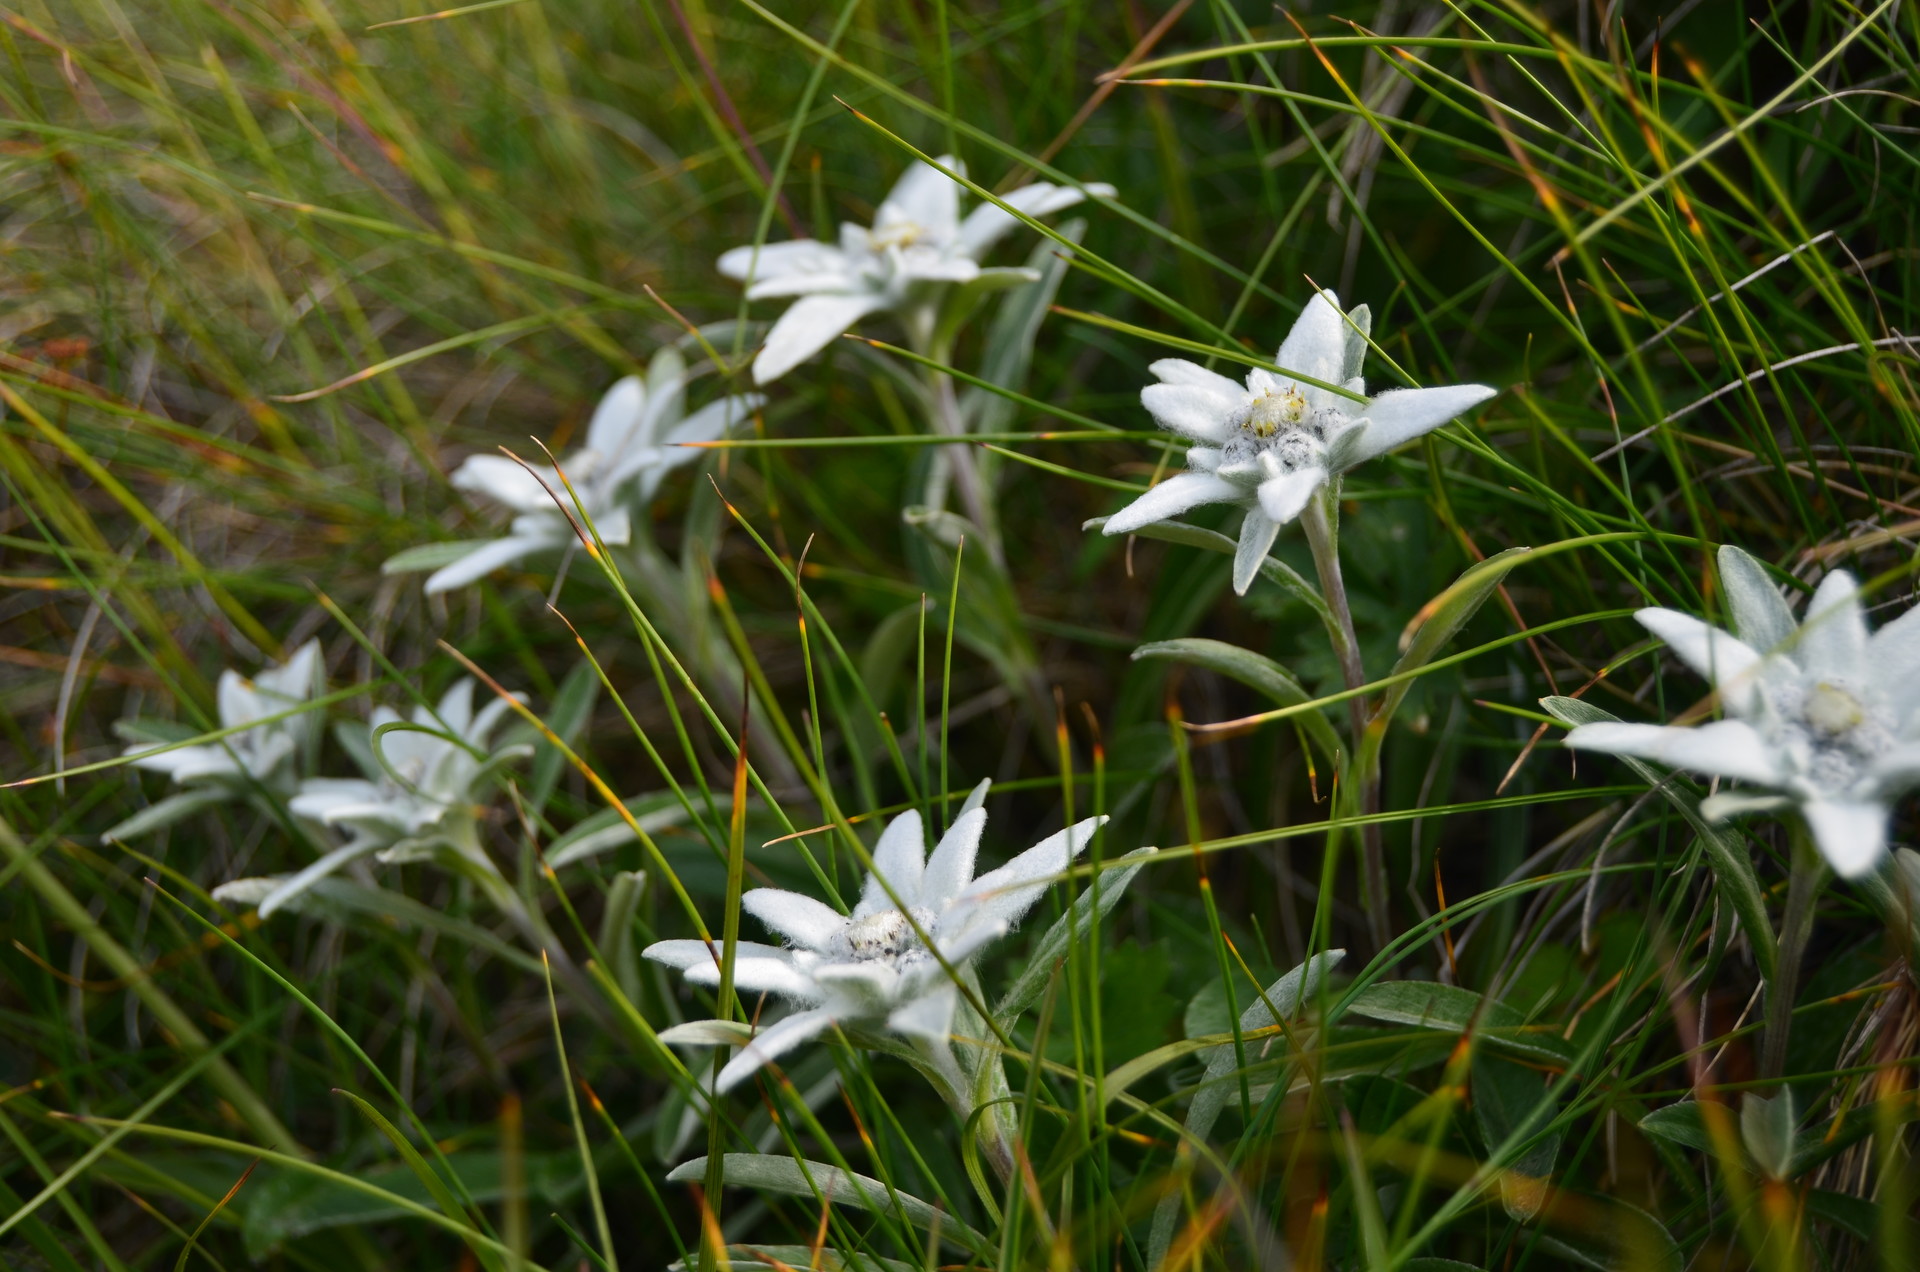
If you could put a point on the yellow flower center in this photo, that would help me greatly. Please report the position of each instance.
(1275, 410)
(1833, 710)
(901, 234)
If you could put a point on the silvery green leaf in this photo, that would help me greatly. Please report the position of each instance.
(1631, 1240)
(571, 710)
(1075, 924)
(1442, 617)
(288, 887)
(1272, 569)
(708, 1033)
(1761, 618)
(1451, 1009)
(817, 1182)
(1506, 1099)
(1732, 866)
(1253, 670)
(1767, 1129)
(976, 798)
(1210, 1100)
(787, 1258)
(607, 829)
(166, 812)
(429, 556)
(616, 929)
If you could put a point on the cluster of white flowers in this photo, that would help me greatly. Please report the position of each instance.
(1823, 715)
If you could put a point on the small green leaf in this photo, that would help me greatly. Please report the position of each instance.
(819, 1182)
(1633, 1240)
(1256, 671)
(1766, 1128)
(429, 556)
(1442, 617)
(570, 713)
(1210, 1100)
(166, 812)
(1450, 1009)
(790, 1258)
(607, 829)
(1507, 1097)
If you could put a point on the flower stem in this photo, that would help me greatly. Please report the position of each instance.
(1796, 925)
(957, 460)
(1320, 520)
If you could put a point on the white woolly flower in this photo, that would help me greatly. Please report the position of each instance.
(637, 436)
(263, 754)
(871, 967)
(918, 241)
(1822, 713)
(428, 771)
(1271, 445)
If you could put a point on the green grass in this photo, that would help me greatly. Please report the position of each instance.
(267, 274)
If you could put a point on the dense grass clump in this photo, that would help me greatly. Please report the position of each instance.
(450, 961)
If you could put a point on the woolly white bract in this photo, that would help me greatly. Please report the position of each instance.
(1822, 713)
(1272, 444)
(917, 243)
(637, 436)
(263, 754)
(872, 967)
(428, 769)
(418, 800)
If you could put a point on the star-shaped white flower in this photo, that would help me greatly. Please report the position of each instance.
(427, 774)
(1822, 713)
(1271, 445)
(918, 242)
(637, 436)
(263, 754)
(870, 967)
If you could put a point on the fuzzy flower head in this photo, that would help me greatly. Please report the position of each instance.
(877, 965)
(1821, 713)
(425, 774)
(1271, 444)
(917, 242)
(265, 754)
(640, 432)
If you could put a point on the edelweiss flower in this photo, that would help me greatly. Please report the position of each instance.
(1823, 713)
(1271, 445)
(263, 754)
(424, 778)
(871, 967)
(636, 437)
(917, 242)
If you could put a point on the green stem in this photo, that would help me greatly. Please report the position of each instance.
(960, 461)
(1320, 520)
(1796, 925)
